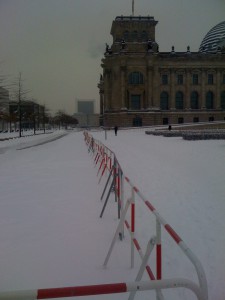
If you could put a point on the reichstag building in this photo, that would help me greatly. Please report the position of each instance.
(142, 86)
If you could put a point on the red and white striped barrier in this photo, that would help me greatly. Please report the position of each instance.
(187, 251)
(160, 223)
(102, 289)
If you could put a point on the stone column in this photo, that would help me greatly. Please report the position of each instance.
(101, 103)
(106, 92)
(156, 88)
(149, 88)
(203, 95)
(187, 90)
(217, 96)
(123, 73)
(172, 89)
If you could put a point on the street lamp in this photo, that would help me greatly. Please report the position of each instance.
(20, 118)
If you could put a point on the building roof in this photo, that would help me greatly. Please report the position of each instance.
(134, 18)
(214, 40)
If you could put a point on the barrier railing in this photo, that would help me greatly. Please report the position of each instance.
(118, 180)
(104, 156)
(101, 289)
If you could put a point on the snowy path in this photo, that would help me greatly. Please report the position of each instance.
(50, 231)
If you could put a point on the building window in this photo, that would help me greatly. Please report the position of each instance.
(210, 78)
(135, 103)
(223, 100)
(126, 35)
(164, 101)
(165, 121)
(223, 81)
(195, 79)
(164, 79)
(144, 36)
(209, 100)
(137, 121)
(136, 78)
(196, 119)
(180, 79)
(134, 36)
(180, 120)
(211, 119)
(194, 100)
(179, 101)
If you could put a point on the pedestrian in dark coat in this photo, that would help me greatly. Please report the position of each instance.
(116, 129)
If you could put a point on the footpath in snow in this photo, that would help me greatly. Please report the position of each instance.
(51, 234)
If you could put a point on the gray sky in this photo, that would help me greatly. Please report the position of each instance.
(58, 45)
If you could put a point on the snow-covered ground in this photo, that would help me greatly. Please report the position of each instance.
(50, 231)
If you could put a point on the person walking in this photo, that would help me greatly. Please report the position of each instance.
(116, 129)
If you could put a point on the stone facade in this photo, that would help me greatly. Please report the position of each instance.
(141, 86)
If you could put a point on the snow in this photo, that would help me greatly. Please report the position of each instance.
(50, 231)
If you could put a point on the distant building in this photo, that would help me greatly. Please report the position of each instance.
(85, 107)
(142, 86)
(85, 114)
(4, 108)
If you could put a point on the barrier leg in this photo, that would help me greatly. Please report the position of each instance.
(110, 174)
(149, 249)
(96, 162)
(100, 166)
(102, 173)
(107, 198)
(117, 232)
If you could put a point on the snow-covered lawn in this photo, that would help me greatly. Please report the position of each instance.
(50, 231)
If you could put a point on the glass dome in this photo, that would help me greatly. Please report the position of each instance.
(214, 39)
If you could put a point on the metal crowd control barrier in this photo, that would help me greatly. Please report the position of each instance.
(105, 156)
(118, 182)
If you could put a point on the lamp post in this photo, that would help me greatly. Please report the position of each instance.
(20, 118)
(44, 118)
(34, 120)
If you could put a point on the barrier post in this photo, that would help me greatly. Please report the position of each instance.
(122, 202)
(115, 179)
(132, 226)
(119, 191)
(110, 162)
(158, 251)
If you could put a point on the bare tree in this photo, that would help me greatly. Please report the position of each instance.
(65, 120)
(19, 96)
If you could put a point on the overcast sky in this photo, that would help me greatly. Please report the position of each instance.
(58, 45)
